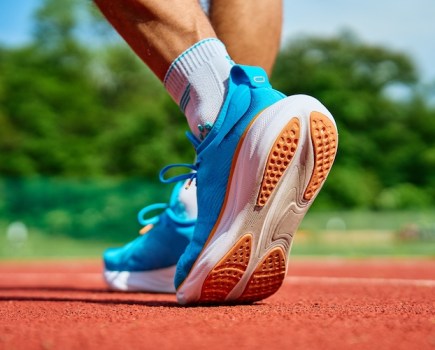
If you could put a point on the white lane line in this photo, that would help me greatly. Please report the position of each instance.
(359, 280)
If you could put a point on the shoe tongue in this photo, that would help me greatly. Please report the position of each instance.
(184, 204)
(254, 76)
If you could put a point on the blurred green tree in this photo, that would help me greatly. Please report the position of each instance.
(384, 142)
(71, 108)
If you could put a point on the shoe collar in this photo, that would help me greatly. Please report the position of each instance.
(237, 101)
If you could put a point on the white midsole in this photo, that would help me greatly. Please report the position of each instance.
(276, 223)
(157, 281)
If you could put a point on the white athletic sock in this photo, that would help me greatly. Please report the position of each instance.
(187, 196)
(197, 81)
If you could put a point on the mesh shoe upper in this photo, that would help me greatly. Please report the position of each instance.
(249, 92)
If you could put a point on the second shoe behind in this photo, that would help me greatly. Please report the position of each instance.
(148, 263)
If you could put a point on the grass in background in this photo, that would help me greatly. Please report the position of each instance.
(72, 218)
(39, 245)
(369, 220)
(359, 244)
(365, 233)
(333, 234)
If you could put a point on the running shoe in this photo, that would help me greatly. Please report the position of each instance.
(258, 171)
(148, 263)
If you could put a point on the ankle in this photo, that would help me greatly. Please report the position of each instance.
(197, 81)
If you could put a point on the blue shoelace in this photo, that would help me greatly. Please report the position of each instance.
(148, 223)
(193, 167)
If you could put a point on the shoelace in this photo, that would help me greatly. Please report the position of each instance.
(149, 223)
(193, 167)
(188, 176)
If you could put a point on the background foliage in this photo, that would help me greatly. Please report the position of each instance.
(77, 104)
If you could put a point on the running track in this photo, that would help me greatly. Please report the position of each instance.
(323, 304)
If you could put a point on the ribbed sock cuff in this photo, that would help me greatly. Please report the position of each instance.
(176, 78)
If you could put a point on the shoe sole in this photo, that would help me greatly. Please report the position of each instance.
(279, 168)
(156, 281)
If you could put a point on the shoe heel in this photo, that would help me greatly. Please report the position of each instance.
(269, 274)
(280, 165)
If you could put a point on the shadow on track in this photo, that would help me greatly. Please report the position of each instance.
(104, 297)
(149, 303)
(53, 289)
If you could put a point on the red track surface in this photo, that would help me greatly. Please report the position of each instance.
(369, 304)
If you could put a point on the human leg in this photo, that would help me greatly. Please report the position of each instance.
(251, 30)
(158, 31)
(176, 37)
(145, 23)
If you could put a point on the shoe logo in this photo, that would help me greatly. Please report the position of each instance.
(259, 79)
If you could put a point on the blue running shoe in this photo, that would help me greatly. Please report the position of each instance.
(257, 171)
(148, 262)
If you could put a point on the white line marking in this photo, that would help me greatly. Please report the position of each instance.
(359, 280)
